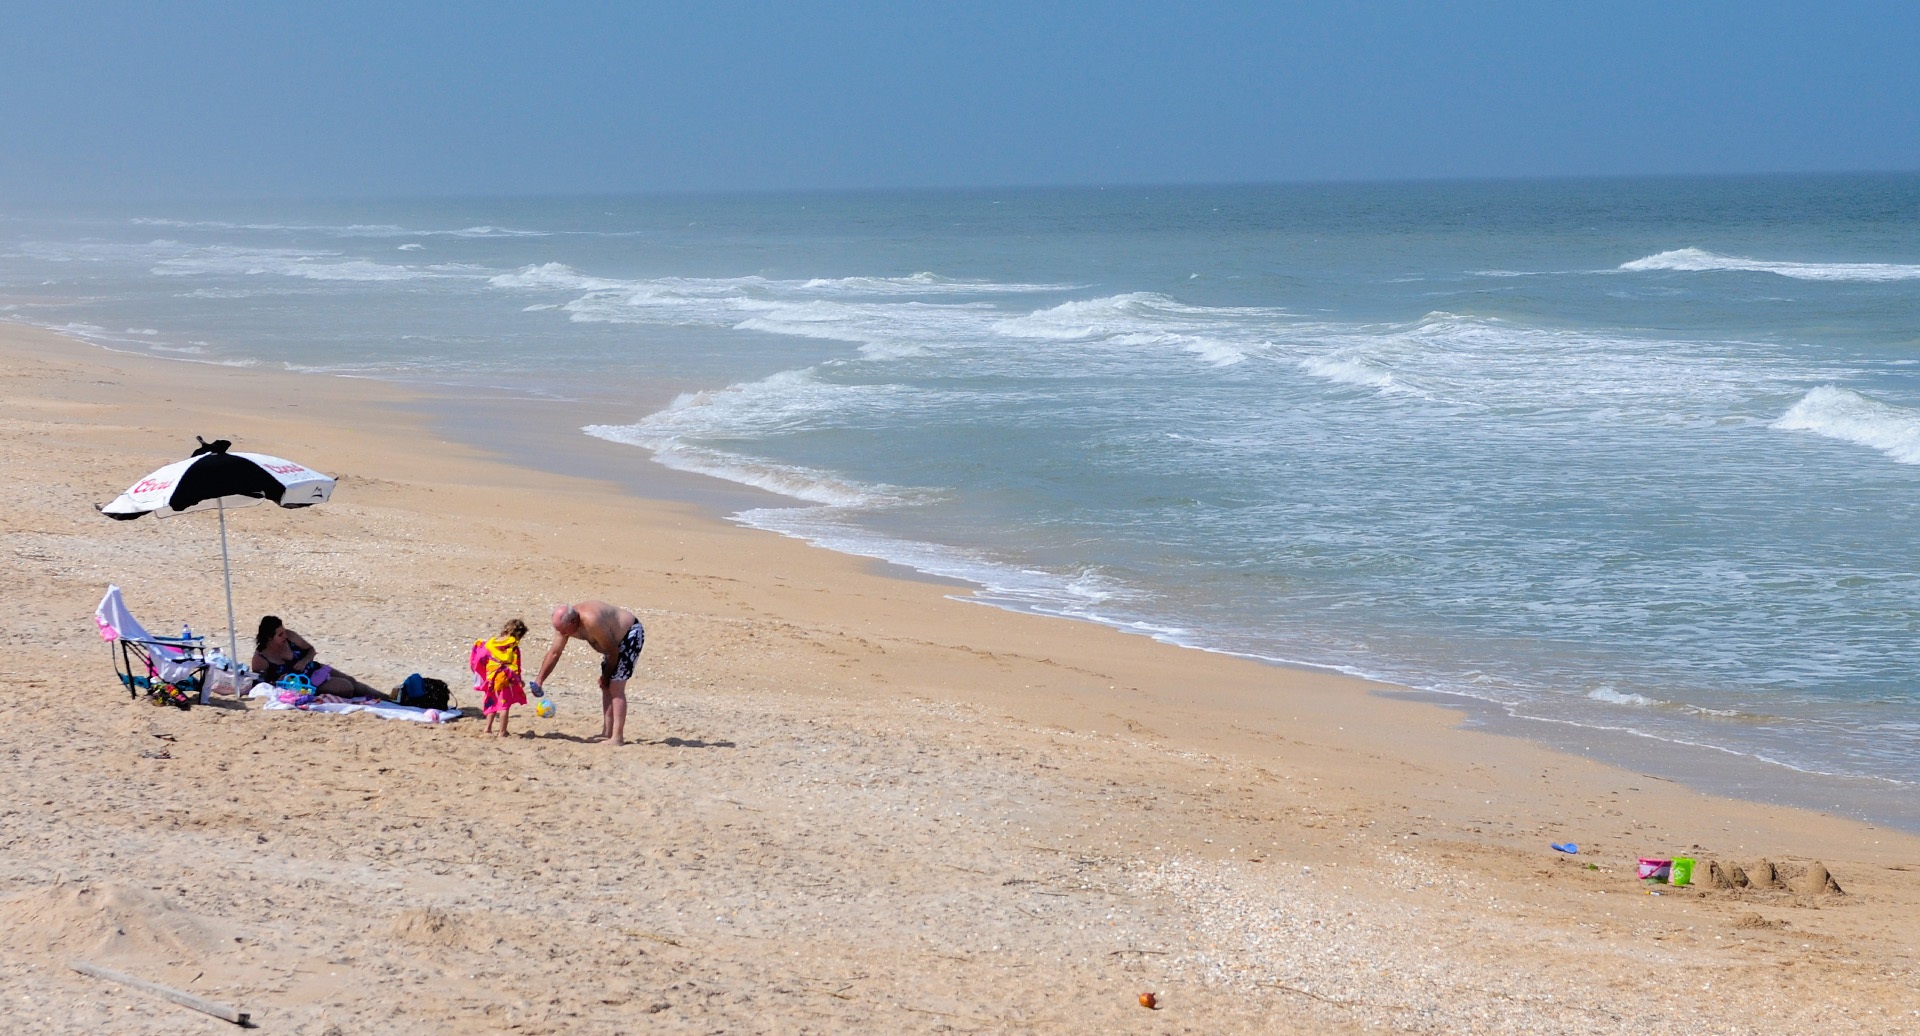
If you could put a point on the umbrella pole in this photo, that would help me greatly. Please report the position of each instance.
(226, 565)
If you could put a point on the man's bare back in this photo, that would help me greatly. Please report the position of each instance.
(617, 635)
(602, 625)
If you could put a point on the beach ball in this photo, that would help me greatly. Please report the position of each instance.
(543, 708)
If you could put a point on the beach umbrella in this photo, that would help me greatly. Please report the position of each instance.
(215, 478)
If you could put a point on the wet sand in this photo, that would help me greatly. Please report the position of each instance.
(854, 803)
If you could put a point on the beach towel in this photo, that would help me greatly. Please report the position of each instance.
(496, 670)
(371, 706)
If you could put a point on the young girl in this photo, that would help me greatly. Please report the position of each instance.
(497, 665)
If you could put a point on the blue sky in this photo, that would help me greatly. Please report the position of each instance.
(187, 100)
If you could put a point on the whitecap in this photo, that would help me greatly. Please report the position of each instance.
(1844, 414)
(1214, 351)
(873, 313)
(1701, 260)
(1108, 315)
(298, 266)
(1504, 367)
(1351, 370)
(883, 330)
(558, 276)
(922, 283)
(1218, 336)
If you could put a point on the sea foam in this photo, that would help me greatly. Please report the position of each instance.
(1612, 697)
(756, 410)
(1510, 368)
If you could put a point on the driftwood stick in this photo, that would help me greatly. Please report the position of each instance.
(201, 1004)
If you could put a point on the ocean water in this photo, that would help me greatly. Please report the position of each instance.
(1634, 455)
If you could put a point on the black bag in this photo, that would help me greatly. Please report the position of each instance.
(423, 692)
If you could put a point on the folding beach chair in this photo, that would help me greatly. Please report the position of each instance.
(145, 662)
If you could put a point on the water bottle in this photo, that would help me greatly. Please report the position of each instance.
(186, 632)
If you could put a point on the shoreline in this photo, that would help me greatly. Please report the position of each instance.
(561, 447)
(985, 814)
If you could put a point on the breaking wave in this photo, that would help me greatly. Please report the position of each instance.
(1847, 415)
(1700, 260)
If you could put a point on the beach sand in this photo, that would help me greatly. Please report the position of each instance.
(854, 802)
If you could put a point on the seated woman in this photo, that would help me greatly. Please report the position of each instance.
(278, 651)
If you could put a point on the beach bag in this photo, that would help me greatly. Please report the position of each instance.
(438, 694)
(423, 692)
(223, 681)
(173, 694)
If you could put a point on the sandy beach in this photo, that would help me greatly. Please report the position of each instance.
(853, 803)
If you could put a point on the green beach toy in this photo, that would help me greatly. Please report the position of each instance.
(1682, 873)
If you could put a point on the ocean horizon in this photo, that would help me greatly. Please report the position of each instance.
(1634, 456)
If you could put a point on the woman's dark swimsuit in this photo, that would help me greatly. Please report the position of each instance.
(315, 673)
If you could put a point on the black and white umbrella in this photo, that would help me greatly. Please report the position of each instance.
(216, 478)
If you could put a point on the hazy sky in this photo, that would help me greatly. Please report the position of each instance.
(341, 99)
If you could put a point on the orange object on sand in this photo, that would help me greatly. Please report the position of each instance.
(1149, 1001)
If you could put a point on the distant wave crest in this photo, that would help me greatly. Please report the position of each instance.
(1218, 336)
(556, 276)
(892, 317)
(349, 230)
(255, 262)
(1847, 415)
(561, 277)
(1701, 260)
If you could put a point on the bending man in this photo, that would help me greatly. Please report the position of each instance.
(618, 636)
